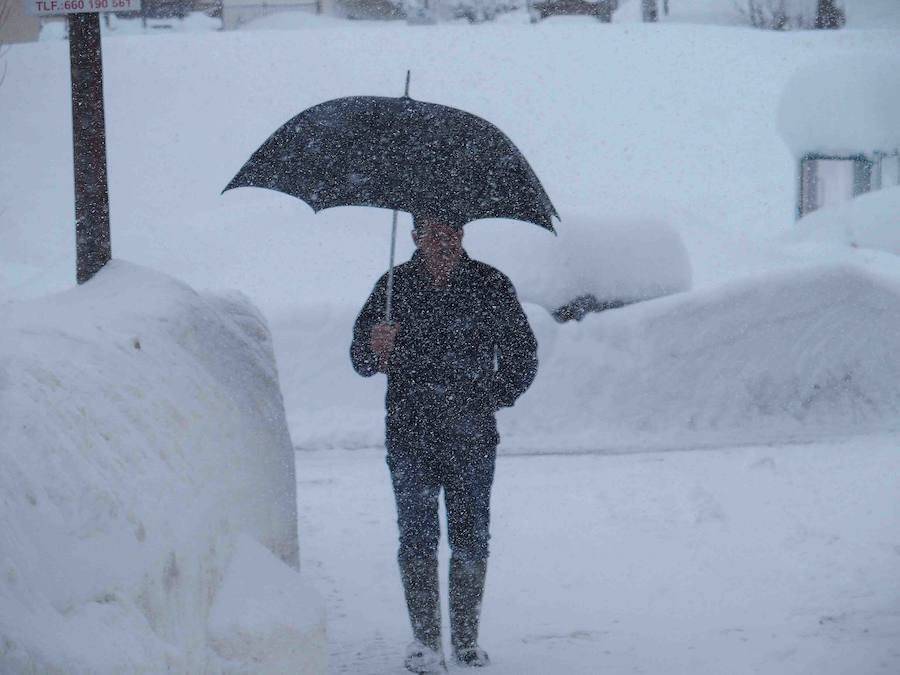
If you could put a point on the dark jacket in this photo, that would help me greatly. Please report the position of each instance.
(463, 351)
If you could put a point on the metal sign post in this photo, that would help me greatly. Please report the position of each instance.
(92, 236)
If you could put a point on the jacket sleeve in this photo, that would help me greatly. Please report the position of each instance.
(361, 355)
(517, 360)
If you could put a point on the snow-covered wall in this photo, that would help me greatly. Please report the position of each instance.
(146, 486)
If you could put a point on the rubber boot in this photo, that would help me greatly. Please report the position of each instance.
(423, 600)
(466, 592)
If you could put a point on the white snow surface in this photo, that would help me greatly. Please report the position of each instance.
(142, 433)
(185, 111)
(844, 105)
(774, 560)
(639, 174)
(870, 221)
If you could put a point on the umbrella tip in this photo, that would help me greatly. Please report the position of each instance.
(406, 89)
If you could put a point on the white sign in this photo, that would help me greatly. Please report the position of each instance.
(55, 7)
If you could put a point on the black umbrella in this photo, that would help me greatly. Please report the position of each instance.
(400, 154)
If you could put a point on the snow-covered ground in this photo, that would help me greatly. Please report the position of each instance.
(779, 560)
(774, 558)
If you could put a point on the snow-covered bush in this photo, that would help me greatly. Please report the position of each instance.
(147, 487)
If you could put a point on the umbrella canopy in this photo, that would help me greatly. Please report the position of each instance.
(401, 154)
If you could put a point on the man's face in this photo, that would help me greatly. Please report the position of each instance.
(440, 246)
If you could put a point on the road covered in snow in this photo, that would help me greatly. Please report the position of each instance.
(764, 559)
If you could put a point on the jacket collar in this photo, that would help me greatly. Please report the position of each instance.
(455, 276)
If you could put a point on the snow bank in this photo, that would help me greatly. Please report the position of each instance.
(848, 106)
(794, 354)
(870, 221)
(788, 355)
(142, 433)
(263, 616)
(621, 259)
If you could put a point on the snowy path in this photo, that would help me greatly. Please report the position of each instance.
(755, 560)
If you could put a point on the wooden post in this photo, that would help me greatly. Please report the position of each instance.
(92, 237)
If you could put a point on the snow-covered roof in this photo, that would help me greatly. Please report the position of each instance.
(845, 106)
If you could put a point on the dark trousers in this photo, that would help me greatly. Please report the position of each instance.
(465, 471)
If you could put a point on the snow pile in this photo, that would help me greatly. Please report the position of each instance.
(848, 106)
(623, 260)
(248, 623)
(142, 433)
(793, 354)
(869, 221)
(789, 355)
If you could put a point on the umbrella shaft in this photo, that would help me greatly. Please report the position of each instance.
(390, 279)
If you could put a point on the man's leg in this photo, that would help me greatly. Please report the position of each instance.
(467, 486)
(416, 490)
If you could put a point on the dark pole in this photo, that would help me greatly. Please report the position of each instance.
(649, 10)
(829, 15)
(92, 245)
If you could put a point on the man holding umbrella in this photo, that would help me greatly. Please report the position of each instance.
(447, 330)
(458, 349)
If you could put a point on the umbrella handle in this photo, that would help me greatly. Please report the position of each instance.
(390, 279)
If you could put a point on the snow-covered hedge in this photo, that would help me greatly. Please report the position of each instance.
(147, 487)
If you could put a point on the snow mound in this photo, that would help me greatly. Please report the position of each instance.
(870, 221)
(621, 259)
(792, 354)
(142, 431)
(784, 356)
(842, 106)
(261, 615)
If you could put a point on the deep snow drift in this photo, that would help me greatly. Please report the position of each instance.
(703, 164)
(790, 355)
(870, 221)
(147, 485)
